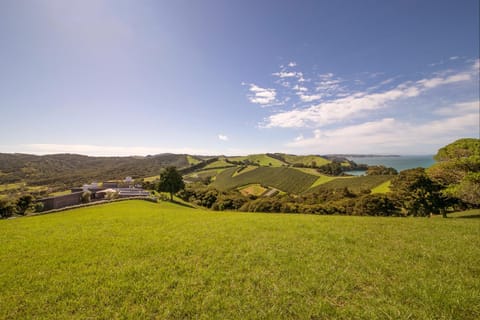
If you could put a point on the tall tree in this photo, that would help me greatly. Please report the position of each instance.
(458, 170)
(171, 181)
(417, 194)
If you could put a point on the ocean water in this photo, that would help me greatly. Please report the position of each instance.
(399, 163)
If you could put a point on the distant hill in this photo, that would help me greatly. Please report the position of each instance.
(74, 169)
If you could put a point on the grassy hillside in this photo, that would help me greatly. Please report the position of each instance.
(353, 183)
(284, 179)
(261, 159)
(221, 163)
(73, 169)
(141, 260)
(305, 160)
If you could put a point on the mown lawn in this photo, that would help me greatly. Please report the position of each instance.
(140, 260)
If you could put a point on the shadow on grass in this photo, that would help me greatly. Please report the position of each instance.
(473, 216)
(183, 204)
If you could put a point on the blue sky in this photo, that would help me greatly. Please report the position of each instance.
(236, 77)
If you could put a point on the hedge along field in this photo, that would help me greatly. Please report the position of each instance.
(260, 159)
(135, 259)
(284, 179)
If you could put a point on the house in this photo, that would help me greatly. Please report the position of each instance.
(61, 201)
(97, 193)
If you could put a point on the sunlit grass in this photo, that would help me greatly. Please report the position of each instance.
(383, 187)
(137, 259)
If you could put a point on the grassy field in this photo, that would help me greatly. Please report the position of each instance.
(281, 178)
(221, 163)
(253, 189)
(261, 159)
(140, 260)
(306, 160)
(383, 187)
(353, 183)
(192, 160)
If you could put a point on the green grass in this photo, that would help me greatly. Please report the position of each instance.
(322, 179)
(192, 160)
(60, 193)
(152, 178)
(139, 260)
(383, 187)
(252, 189)
(353, 183)
(261, 159)
(242, 170)
(281, 178)
(203, 174)
(473, 213)
(306, 160)
(11, 186)
(221, 163)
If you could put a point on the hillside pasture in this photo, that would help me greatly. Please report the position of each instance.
(306, 160)
(355, 184)
(243, 169)
(140, 260)
(281, 178)
(383, 187)
(192, 160)
(260, 159)
(253, 189)
(221, 163)
(199, 175)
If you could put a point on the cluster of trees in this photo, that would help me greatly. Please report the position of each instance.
(209, 197)
(21, 205)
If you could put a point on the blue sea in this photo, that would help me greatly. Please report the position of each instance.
(399, 163)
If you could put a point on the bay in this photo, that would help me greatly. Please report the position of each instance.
(399, 163)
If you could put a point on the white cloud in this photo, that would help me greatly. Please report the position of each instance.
(392, 135)
(460, 108)
(476, 65)
(438, 81)
(262, 96)
(309, 98)
(292, 64)
(222, 137)
(300, 88)
(339, 109)
(289, 74)
(355, 104)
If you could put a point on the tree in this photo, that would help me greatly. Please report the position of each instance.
(380, 170)
(332, 169)
(7, 208)
(458, 170)
(170, 181)
(24, 203)
(416, 194)
(375, 205)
